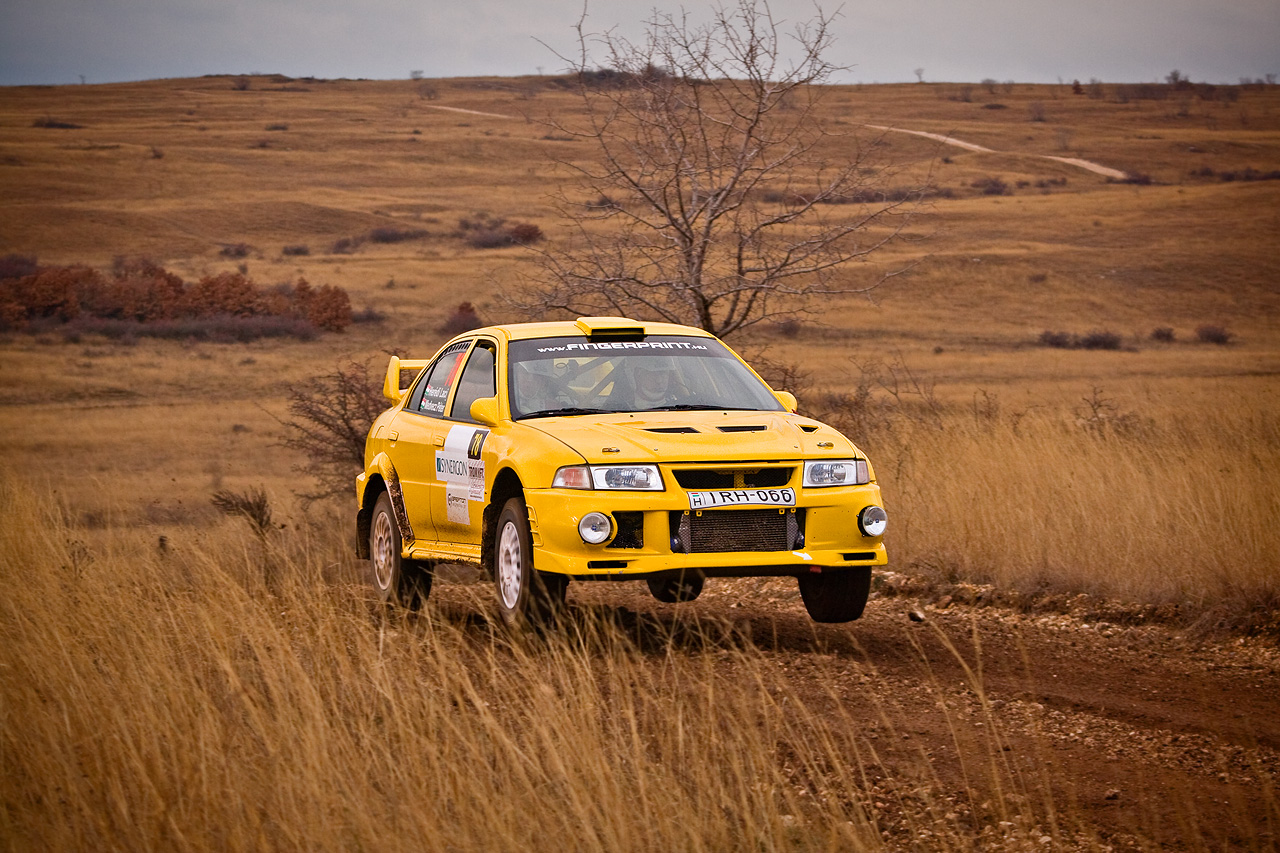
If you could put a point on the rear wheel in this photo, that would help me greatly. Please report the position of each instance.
(674, 590)
(524, 595)
(398, 580)
(836, 596)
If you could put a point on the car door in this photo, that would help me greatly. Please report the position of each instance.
(417, 431)
(457, 496)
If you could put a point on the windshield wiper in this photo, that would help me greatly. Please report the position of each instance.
(698, 407)
(567, 410)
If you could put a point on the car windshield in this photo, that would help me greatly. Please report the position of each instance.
(574, 376)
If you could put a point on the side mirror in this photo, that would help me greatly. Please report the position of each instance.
(788, 400)
(485, 410)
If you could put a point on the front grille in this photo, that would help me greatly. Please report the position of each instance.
(715, 531)
(699, 479)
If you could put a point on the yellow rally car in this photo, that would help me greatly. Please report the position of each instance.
(610, 449)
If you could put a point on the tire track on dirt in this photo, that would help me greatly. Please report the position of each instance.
(1138, 728)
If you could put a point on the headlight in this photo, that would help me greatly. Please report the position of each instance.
(836, 472)
(872, 521)
(642, 478)
(594, 528)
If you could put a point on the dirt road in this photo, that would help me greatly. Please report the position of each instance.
(1132, 735)
(1087, 165)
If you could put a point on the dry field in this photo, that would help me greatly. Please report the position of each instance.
(169, 681)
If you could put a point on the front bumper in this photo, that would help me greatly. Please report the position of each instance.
(825, 519)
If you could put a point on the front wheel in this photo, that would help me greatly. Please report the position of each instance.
(524, 595)
(397, 580)
(836, 596)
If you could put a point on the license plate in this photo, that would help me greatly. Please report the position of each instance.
(741, 497)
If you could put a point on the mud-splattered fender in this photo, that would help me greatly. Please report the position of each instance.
(378, 470)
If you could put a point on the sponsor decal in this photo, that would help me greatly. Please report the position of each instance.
(457, 507)
(477, 442)
(741, 497)
(612, 345)
(459, 466)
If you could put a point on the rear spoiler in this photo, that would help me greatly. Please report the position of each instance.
(391, 386)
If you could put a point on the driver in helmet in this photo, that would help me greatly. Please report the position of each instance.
(537, 392)
(656, 382)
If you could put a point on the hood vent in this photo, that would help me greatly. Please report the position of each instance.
(670, 430)
(809, 427)
(743, 428)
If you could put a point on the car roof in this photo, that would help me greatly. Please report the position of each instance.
(590, 326)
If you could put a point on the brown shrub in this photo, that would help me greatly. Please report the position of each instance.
(1210, 334)
(327, 308)
(52, 293)
(328, 421)
(225, 293)
(463, 319)
(139, 291)
(524, 233)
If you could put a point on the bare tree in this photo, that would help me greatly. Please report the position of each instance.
(329, 419)
(716, 197)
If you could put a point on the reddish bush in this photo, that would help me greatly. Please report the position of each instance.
(142, 298)
(525, 233)
(52, 293)
(327, 308)
(226, 293)
(463, 319)
(139, 289)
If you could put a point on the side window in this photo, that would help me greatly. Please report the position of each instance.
(430, 394)
(476, 381)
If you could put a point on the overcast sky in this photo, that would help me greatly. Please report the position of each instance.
(61, 41)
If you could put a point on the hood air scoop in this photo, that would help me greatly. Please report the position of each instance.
(744, 428)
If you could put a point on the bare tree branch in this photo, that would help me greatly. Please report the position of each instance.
(710, 200)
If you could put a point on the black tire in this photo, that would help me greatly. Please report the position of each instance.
(673, 590)
(398, 581)
(525, 596)
(836, 596)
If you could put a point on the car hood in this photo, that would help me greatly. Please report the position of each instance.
(718, 436)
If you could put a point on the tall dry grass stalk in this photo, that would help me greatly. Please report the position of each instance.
(187, 698)
(1166, 507)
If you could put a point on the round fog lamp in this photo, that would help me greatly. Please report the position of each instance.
(594, 528)
(872, 521)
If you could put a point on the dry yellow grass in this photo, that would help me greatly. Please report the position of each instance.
(234, 693)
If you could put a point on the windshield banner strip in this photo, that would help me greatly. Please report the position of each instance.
(612, 345)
